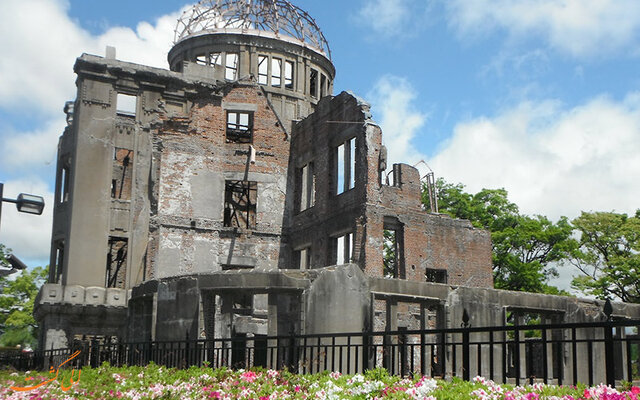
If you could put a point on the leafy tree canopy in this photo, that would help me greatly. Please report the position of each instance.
(608, 255)
(524, 248)
(17, 297)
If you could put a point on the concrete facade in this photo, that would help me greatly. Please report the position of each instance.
(226, 198)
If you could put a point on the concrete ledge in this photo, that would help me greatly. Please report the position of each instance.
(116, 297)
(49, 293)
(53, 293)
(73, 294)
(94, 296)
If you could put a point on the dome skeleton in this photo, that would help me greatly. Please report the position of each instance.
(276, 17)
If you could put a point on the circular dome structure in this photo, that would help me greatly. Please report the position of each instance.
(277, 18)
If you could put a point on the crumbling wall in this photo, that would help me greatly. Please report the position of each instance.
(427, 244)
(316, 140)
(195, 158)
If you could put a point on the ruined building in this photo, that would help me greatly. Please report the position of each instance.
(234, 195)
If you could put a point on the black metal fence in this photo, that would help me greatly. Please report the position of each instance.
(590, 353)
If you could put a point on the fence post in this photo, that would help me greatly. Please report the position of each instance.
(608, 345)
(465, 345)
(365, 349)
(291, 359)
(94, 353)
(187, 355)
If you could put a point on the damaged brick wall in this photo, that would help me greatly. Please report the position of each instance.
(427, 242)
(197, 164)
(315, 140)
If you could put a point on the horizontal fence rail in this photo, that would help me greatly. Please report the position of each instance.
(591, 353)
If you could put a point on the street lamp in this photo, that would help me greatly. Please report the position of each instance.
(15, 264)
(26, 203)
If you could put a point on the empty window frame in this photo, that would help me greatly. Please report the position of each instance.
(288, 75)
(116, 263)
(323, 85)
(307, 187)
(313, 83)
(126, 105)
(63, 184)
(276, 72)
(122, 176)
(393, 248)
(215, 59)
(343, 249)
(345, 166)
(209, 59)
(55, 275)
(240, 204)
(263, 70)
(302, 258)
(436, 275)
(231, 67)
(239, 127)
(390, 253)
(201, 59)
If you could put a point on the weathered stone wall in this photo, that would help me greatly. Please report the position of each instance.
(315, 140)
(194, 161)
(426, 241)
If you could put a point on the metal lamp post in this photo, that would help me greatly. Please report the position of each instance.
(26, 203)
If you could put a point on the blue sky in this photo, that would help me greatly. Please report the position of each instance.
(541, 97)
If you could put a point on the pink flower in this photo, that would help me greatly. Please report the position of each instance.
(249, 376)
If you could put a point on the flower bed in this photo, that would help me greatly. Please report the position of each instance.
(154, 382)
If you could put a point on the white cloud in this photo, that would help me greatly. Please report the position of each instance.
(577, 27)
(553, 161)
(40, 44)
(393, 17)
(392, 101)
(29, 236)
(35, 148)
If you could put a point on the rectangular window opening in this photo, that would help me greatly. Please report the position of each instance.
(126, 105)
(393, 248)
(240, 204)
(343, 249)
(436, 275)
(215, 59)
(231, 70)
(345, 166)
(288, 75)
(351, 144)
(340, 170)
(323, 85)
(239, 127)
(276, 72)
(390, 253)
(313, 83)
(307, 187)
(56, 273)
(122, 174)
(263, 70)
(302, 258)
(201, 59)
(116, 263)
(63, 189)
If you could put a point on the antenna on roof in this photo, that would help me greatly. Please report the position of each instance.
(431, 186)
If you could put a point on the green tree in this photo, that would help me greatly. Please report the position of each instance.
(524, 248)
(17, 296)
(608, 255)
